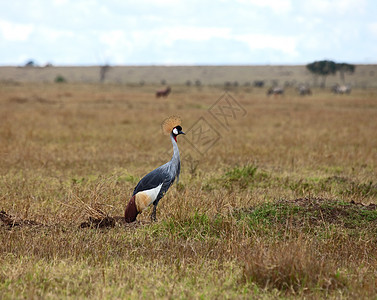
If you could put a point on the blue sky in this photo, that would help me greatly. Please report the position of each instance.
(179, 32)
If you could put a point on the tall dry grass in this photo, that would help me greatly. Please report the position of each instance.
(70, 151)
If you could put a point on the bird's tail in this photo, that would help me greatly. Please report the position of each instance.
(131, 211)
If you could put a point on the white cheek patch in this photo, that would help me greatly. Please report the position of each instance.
(175, 131)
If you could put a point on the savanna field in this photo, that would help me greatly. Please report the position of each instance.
(276, 199)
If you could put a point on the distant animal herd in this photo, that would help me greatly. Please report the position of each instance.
(341, 89)
(302, 90)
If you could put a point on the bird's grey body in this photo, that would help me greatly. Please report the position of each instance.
(164, 175)
(153, 186)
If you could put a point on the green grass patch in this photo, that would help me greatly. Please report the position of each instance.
(249, 177)
(241, 177)
(309, 213)
(199, 226)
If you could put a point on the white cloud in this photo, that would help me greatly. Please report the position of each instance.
(159, 2)
(195, 34)
(14, 31)
(372, 27)
(112, 37)
(153, 31)
(278, 6)
(285, 44)
(335, 6)
(164, 35)
(60, 2)
(119, 44)
(52, 34)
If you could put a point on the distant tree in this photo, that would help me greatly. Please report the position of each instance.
(322, 68)
(30, 63)
(103, 71)
(344, 68)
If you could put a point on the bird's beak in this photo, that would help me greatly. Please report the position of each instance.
(181, 132)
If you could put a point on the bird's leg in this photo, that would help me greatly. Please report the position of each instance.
(153, 214)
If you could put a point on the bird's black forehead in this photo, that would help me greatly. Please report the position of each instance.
(179, 128)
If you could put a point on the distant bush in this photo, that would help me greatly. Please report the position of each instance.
(198, 82)
(30, 63)
(259, 83)
(188, 83)
(60, 79)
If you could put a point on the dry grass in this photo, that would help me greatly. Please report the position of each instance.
(229, 229)
(364, 76)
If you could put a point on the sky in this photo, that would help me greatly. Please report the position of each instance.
(182, 32)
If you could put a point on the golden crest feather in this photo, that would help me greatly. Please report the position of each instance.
(169, 123)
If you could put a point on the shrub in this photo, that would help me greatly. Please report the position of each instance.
(60, 79)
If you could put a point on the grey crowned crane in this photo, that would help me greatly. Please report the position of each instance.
(153, 186)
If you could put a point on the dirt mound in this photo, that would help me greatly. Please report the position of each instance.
(306, 202)
(304, 212)
(92, 222)
(11, 221)
(349, 214)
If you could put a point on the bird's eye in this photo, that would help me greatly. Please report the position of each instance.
(175, 131)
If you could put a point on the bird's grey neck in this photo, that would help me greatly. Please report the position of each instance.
(175, 159)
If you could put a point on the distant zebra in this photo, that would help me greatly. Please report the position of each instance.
(163, 93)
(304, 90)
(341, 89)
(275, 91)
(259, 83)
